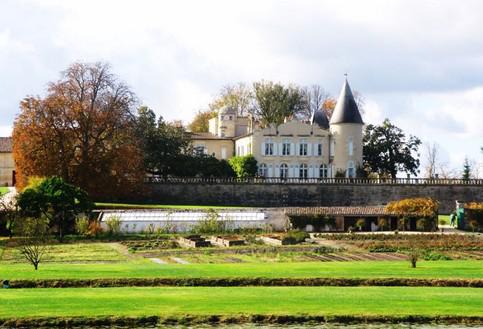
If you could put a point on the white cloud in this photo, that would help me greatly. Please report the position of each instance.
(418, 63)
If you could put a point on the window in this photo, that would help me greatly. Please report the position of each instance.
(350, 146)
(303, 171)
(319, 149)
(200, 150)
(268, 147)
(230, 117)
(263, 170)
(332, 148)
(283, 170)
(223, 152)
(324, 171)
(351, 171)
(303, 147)
(286, 147)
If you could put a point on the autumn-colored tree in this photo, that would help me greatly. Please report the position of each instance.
(200, 121)
(82, 131)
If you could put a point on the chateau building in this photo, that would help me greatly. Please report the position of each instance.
(7, 166)
(316, 149)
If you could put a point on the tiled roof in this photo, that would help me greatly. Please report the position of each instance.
(341, 211)
(5, 144)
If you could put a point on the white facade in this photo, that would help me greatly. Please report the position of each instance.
(294, 149)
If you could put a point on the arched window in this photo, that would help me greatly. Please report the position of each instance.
(351, 170)
(283, 170)
(324, 171)
(263, 170)
(303, 171)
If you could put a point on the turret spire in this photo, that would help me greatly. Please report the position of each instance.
(346, 110)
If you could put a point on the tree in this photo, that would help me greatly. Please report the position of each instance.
(466, 170)
(315, 98)
(164, 145)
(432, 159)
(33, 236)
(82, 131)
(244, 166)
(56, 201)
(387, 150)
(238, 97)
(276, 102)
(200, 124)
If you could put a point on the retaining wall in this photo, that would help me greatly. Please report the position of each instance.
(282, 195)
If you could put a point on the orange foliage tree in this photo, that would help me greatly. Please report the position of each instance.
(414, 207)
(82, 131)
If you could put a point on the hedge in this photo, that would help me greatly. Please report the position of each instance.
(240, 282)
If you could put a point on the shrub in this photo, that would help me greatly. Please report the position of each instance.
(244, 166)
(382, 223)
(413, 257)
(113, 225)
(210, 224)
(474, 225)
(95, 228)
(82, 226)
(294, 237)
(360, 223)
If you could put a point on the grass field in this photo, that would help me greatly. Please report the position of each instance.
(245, 300)
(465, 269)
(74, 252)
(105, 205)
(3, 190)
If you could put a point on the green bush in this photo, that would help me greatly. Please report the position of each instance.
(244, 166)
(294, 237)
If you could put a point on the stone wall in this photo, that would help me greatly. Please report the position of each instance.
(279, 195)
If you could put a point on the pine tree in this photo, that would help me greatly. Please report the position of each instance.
(466, 170)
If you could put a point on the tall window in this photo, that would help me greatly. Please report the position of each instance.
(263, 170)
(351, 170)
(283, 170)
(268, 147)
(303, 171)
(319, 149)
(303, 147)
(286, 147)
(324, 172)
(350, 146)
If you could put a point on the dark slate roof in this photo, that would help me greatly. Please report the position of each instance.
(320, 119)
(346, 110)
(5, 144)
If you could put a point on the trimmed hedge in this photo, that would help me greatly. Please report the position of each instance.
(188, 320)
(239, 282)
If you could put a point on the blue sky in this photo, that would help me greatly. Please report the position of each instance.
(419, 63)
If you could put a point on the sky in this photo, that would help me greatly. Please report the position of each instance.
(418, 63)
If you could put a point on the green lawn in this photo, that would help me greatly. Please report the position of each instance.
(105, 205)
(169, 301)
(74, 252)
(464, 269)
(3, 190)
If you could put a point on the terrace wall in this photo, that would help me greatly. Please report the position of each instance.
(306, 194)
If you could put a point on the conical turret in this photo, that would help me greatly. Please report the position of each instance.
(346, 110)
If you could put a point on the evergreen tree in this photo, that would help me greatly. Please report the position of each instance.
(466, 170)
